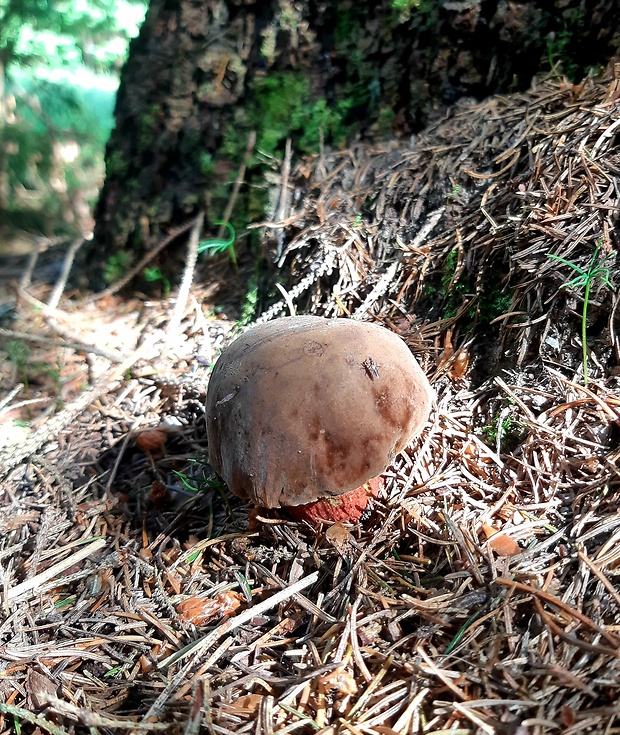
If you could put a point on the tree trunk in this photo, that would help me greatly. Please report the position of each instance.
(185, 74)
(204, 74)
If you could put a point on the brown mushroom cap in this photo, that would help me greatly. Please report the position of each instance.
(304, 407)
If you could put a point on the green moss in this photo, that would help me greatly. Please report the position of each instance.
(565, 46)
(153, 275)
(280, 105)
(216, 198)
(385, 120)
(453, 294)
(133, 185)
(206, 163)
(190, 142)
(454, 192)
(405, 6)
(146, 127)
(18, 353)
(429, 290)
(511, 432)
(116, 266)
(283, 106)
(449, 269)
(191, 201)
(117, 165)
(248, 308)
(154, 209)
(348, 28)
(279, 101)
(494, 302)
(365, 90)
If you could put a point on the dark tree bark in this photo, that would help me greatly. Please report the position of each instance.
(186, 72)
(204, 73)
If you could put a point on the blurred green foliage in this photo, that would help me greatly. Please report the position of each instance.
(70, 33)
(59, 64)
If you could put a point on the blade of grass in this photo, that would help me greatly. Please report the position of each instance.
(596, 271)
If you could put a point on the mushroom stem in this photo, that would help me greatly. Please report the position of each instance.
(347, 507)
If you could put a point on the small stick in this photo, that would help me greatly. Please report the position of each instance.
(94, 720)
(23, 714)
(40, 245)
(238, 181)
(77, 346)
(287, 298)
(30, 585)
(600, 576)
(8, 398)
(32, 261)
(186, 281)
(283, 203)
(54, 298)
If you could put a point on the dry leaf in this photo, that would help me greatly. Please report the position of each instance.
(341, 680)
(160, 495)
(504, 545)
(151, 440)
(39, 688)
(148, 661)
(459, 365)
(338, 536)
(247, 704)
(448, 350)
(500, 542)
(200, 610)
(470, 449)
(567, 715)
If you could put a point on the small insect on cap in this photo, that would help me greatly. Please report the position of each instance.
(302, 408)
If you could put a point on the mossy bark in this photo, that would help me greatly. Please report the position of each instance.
(204, 73)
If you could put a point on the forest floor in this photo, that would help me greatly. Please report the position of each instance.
(481, 594)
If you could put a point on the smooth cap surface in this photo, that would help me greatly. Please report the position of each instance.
(302, 408)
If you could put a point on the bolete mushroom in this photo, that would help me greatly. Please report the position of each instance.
(302, 408)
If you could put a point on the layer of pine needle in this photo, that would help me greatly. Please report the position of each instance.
(479, 595)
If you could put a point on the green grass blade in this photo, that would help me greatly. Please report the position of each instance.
(574, 266)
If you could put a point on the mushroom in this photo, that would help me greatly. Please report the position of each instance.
(302, 408)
